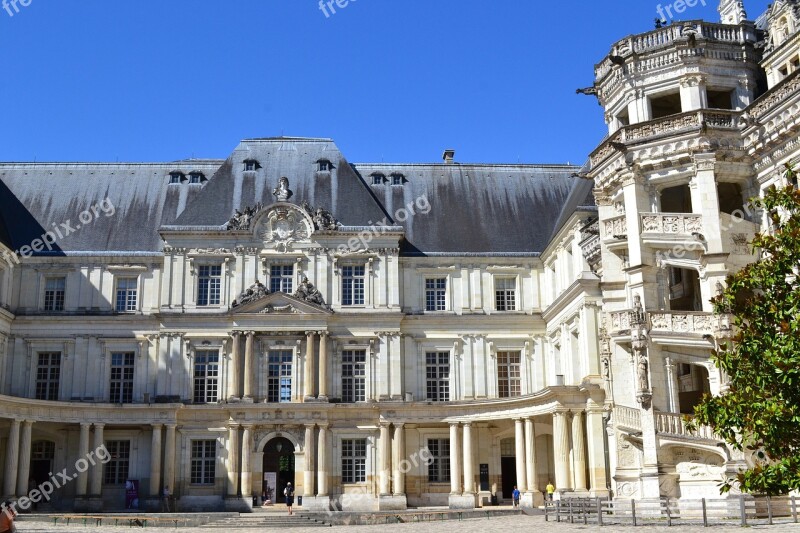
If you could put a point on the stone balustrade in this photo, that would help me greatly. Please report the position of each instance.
(629, 418)
(615, 228)
(620, 320)
(676, 424)
(682, 322)
(683, 224)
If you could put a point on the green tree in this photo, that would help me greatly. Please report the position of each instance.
(760, 412)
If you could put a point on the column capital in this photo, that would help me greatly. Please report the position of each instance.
(155, 426)
(233, 426)
(99, 425)
(251, 333)
(310, 334)
(86, 425)
(454, 424)
(323, 334)
(310, 426)
(323, 425)
(171, 426)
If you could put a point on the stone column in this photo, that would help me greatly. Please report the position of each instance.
(595, 428)
(155, 460)
(308, 374)
(24, 458)
(530, 456)
(455, 461)
(82, 480)
(322, 461)
(234, 388)
(561, 450)
(519, 444)
(469, 460)
(249, 357)
(323, 366)
(247, 485)
(233, 460)
(308, 472)
(672, 386)
(385, 458)
(96, 480)
(578, 451)
(169, 459)
(399, 455)
(12, 459)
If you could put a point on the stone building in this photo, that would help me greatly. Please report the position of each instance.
(396, 335)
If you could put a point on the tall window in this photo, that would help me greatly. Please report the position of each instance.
(508, 380)
(279, 377)
(354, 460)
(281, 278)
(353, 285)
(126, 294)
(206, 376)
(54, 294)
(48, 375)
(209, 279)
(505, 294)
(204, 459)
(438, 376)
(354, 371)
(122, 377)
(439, 467)
(116, 470)
(435, 290)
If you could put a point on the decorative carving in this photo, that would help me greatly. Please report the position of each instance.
(241, 220)
(287, 309)
(323, 219)
(282, 192)
(638, 316)
(308, 293)
(255, 292)
(284, 226)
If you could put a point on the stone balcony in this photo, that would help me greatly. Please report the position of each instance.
(669, 229)
(615, 233)
(669, 327)
(675, 426)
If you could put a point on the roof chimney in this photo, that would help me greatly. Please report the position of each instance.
(448, 156)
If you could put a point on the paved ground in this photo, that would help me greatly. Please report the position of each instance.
(508, 524)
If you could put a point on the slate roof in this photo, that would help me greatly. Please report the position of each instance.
(474, 209)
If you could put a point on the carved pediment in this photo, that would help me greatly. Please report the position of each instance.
(279, 303)
(282, 225)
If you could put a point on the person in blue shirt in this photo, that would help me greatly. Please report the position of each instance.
(515, 496)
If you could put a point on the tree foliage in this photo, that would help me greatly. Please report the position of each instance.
(760, 412)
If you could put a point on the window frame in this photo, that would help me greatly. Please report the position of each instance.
(211, 294)
(282, 278)
(57, 302)
(437, 384)
(48, 387)
(505, 299)
(203, 466)
(439, 468)
(280, 365)
(509, 371)
(117, 470)
(354, 375)
(123, 382)
(206, 377)
(354, 461)
(350, 295)
(128, 306)
(435, 296)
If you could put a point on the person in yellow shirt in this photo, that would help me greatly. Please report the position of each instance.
(550, 490)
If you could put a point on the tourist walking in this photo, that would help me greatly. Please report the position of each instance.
(289, 493)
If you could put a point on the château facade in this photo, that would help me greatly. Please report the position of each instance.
(398, 335)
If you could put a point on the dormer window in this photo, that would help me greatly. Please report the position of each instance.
(397, 179)
(378, 179)
(323, 165)
(176, 178)
(197, 177)
(251, 165)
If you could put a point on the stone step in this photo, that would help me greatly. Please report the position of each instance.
(275, 521)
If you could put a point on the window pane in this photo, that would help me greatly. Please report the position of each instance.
(206, 374)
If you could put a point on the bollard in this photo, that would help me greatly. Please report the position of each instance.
(769, 510)
(599, 512)
(669, 515)
(583, 508)
(705, 512)
(794, 510)
(558, 511)
(742, 510)
(633, 512)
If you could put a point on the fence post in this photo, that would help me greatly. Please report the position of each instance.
(705, 512)
(584, 504)
(558, 511)
(742, 510)
(794, 510)
(669, 515)
(633, 512)
(600, 511)
(571, 518)
(769, 510)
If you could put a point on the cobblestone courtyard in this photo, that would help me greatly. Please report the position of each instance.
(506, 524)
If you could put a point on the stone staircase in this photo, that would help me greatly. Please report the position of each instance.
(265, 520)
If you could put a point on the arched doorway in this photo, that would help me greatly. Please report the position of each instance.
(278, 466)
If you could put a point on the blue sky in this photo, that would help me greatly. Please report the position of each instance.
(389, 80)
